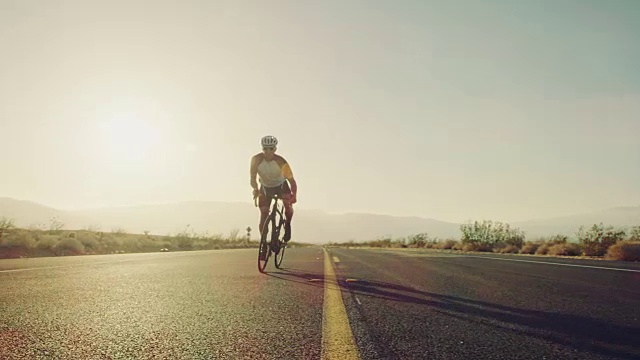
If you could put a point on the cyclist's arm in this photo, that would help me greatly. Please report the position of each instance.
(253, 172)
(294, 186)
(288, 174)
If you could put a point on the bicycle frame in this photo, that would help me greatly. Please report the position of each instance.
(276, 209)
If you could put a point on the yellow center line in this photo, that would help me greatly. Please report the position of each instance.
(337, 339)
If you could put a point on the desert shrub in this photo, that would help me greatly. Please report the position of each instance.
(487, 235)
(509, 249)
(89, 241)
(634, 233)
(543, 249)
(431, 244)
(596, 240)
(446, 244)
(557, 239)
(625, 251)
(477, 247)
(567, 249)
(148, 243)
(69, 246)
(418, 240)
(47, 242)
(110, 242)
(530, 247)
(20, 238)
(55, 226)
(131, 243)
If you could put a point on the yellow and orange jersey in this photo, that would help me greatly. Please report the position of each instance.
(271, 173)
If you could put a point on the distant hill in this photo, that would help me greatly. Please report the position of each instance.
(221, 218)
(311, 226)
(27, 213)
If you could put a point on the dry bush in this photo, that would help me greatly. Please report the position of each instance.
(625, 251)
(530, 248)
(543, 249)
(568, 249)
(431, 245)
(446, 245)
(47, 242)
(69, 246)
(597, 239)
(509, 249)
(477, 247)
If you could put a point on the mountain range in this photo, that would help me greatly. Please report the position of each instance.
(311, 226)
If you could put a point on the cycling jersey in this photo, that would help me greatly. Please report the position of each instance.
(271, 173)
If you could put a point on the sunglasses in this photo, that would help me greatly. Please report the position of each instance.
(269, 148)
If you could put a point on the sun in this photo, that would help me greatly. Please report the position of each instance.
(129, 138)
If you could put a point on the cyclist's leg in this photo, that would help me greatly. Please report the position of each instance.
(288, 210)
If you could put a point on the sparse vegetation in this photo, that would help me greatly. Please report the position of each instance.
(598, 241)
(55, 241)
(486, 236)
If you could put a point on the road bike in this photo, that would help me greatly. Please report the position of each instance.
(271, 240)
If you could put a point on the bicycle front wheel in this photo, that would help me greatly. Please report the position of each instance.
(264, 251)
(280, 255)
(276, 240)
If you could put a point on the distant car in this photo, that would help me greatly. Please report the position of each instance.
(164, 249)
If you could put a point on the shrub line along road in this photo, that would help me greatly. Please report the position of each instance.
(333, 303)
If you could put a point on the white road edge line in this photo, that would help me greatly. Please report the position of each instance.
(92, 263)
(552, 263)
(37, 268)
(535, 262)
(65, 266)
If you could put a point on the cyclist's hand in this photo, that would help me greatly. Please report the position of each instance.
(256, 193)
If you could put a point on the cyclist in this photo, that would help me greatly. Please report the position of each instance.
(276, 177)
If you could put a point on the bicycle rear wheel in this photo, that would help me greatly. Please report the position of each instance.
(264, 251)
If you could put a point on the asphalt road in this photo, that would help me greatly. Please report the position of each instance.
(344, 303)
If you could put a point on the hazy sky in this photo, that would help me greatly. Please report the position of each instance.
(454, 110)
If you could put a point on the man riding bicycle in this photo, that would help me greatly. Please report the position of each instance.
(276, 177)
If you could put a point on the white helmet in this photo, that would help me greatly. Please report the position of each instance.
(269, 141)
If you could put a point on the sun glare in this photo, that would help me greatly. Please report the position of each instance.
(129, 138)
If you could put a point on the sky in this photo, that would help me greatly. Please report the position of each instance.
(452, 110)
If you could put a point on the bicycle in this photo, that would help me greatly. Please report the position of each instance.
(275, 245)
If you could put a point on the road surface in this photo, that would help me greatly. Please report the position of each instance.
(334, 303)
